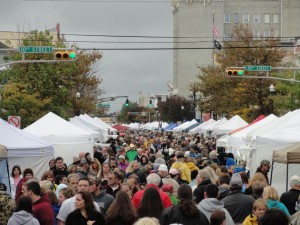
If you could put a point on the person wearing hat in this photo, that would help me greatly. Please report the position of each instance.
(238, 204)
(181, 165)
(264, 168)
(213, 156)
(166, 178)
(7, 205)
(83, 168)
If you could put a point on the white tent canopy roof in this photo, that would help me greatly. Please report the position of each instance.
(202, 125)
(57, 130)
(185, 125)
(234, 123)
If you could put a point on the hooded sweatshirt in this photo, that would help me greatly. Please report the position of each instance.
(277, 205)
(208, 205)
(22, 218)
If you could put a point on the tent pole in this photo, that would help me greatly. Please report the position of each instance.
(271, 173)
(287, 177)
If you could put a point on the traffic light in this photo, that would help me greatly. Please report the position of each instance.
(65, 55)
(126, 103)
(234, 71)
(150, 103)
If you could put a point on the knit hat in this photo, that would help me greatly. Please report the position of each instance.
(236, 180)
(180, 156)
(167, 188)
(163, 167)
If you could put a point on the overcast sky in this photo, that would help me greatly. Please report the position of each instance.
(123, 72)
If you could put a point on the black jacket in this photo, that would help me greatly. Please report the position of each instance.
(289, 199)
(199, 191)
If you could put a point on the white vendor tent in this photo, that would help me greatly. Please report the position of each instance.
(206, 131)
(199, 128)
(185, 125)
(25, 150)
(68, 140)
(87, 127)
(234, 123)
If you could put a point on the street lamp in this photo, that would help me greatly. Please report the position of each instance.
(272, 89)
(77, 95)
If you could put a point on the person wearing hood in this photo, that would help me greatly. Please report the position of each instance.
(23, 213)
(271, 196)
(99, 195)
(210, 203)
(224, 181)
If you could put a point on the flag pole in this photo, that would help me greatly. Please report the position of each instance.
(213, 35)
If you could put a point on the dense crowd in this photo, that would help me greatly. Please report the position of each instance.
(149, 177)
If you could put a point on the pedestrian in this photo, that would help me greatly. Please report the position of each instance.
(85, 212)
(274, 217)
(23, 213)
(290, 197)
(185, 212)
(7, 205)
(151, 204)
(16, 176)
(218, 218)
(264, 169)
(121, 211)
(27, 174)
(259, 209)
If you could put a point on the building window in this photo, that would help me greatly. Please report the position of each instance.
(226, 18)
(255, 18)
(267, 33)
(226, 37)
(267, 18)
(245, 18)
(236, 17)
(275, 18)
(256, 34)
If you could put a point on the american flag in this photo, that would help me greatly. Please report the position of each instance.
(215, 31)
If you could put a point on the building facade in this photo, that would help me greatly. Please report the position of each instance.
(193, 22)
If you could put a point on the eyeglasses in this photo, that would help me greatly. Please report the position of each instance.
(110, 178)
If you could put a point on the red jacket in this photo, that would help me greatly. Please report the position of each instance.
(42, 210)
(19, 188)
(139, 195)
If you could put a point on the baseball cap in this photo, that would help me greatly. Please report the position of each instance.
(265, 162)
(173, 171)
(163, 167)
(83, 161)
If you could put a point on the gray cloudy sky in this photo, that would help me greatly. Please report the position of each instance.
(123, 72)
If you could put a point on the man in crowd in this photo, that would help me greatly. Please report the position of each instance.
(153, 180)
(59, 168)
(7, 205)
(224, 181)
(238, 204)
(68, 205)
(83, 168)
(72, 181)
(42, 209)
(290, 197)
(264, 168)
(113, 185)
(166, 179)
(202, 180)
(210, 203)
(103, 199)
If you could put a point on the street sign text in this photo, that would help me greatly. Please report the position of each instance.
(258, 68)
(35, 49)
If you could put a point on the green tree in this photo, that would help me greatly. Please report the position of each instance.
(54, 85)
(247, 97)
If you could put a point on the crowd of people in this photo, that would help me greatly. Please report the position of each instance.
(149, 177)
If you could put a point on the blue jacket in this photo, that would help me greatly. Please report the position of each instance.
(277, 205)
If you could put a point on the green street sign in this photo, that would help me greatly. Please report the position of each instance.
(258, 68)
(35, 49)
(105, 106)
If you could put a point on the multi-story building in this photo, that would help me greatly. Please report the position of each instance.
(193, 31)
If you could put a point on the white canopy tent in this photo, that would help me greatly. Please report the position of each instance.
(68, 140)
(279, 134)
(199, 128)
(185, 125)
(87, 127)
(206, 131)
(234, 123)
(25, 150)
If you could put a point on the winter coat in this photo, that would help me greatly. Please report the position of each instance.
(199, 191)
(104, 200)
(185, 171)
(289, 199)
(209, 205)
(7, 206)
(277, 205)
(22, 218)
(251, 220)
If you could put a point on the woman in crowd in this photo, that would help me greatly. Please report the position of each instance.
(218, 218)
(259, 209)
(185, 212)
(16, 176)
(121, 211)
(27, 174)
(256, 177)
(271, 196)
(104, 173)
(133, 167)
(64, 194)
(85, 212)
(23, 213)
(54, 203)
(151, 204)
(95, 168)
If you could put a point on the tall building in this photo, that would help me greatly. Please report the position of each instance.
(193, 31)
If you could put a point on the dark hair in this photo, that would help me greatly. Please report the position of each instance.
(121, 209)
(212, 191)
(84, 178)
(26, 171)
(58, 158)
(89, 203)
(194, 174)
(24, 203)
(244, 177)
(16, 167)
(59, 178)
(224, 179)
(151, 204)
(46, 174)
(217, 217)
(258, 187)
(274, 216)
(186, 204)
(52, 197)
(223, 169)
(34, 187)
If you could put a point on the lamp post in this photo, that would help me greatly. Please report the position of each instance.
(272, 91)
(77, 95)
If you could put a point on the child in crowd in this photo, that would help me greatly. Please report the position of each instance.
(168, 188)
(259, 209)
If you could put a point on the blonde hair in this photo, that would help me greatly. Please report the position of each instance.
(257, 177)
(129, 168)
(270, 193)
(147, 221)
(212, 175)
(258, 203)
